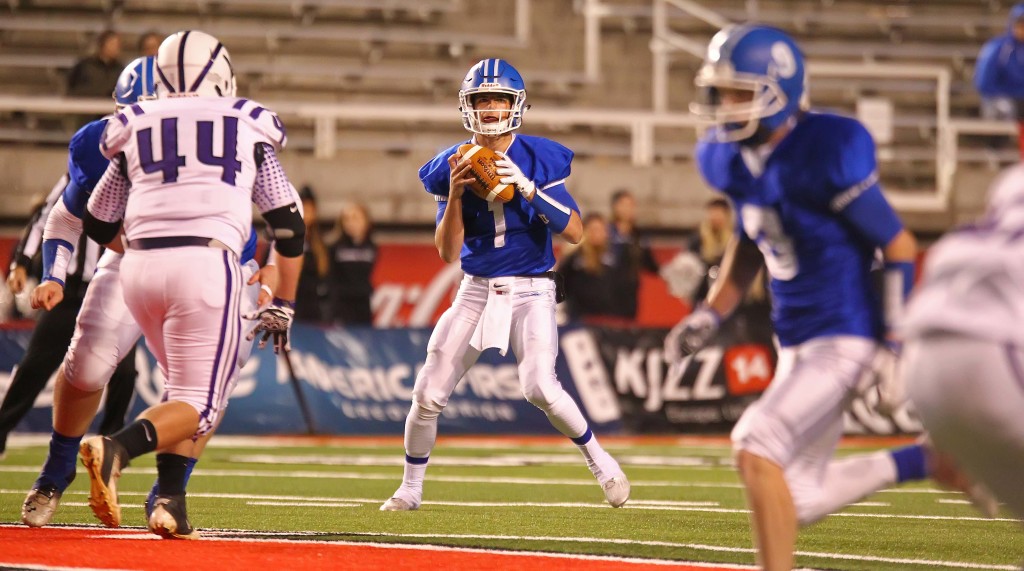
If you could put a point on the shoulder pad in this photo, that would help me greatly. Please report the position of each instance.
(436, 174)
(86, 162)
(722, 166)
(265, 121)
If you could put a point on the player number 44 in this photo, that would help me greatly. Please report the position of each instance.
(170, 161)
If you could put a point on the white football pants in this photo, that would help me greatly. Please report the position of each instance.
(969, 394)
(532, 335)
(798, 421)
(188, 303)
(105, 330)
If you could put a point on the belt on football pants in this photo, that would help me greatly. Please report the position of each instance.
(559, 283)
(175, 242)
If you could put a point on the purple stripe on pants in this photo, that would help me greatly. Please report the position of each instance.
(214, 377)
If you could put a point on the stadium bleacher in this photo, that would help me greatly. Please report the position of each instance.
(407, 52)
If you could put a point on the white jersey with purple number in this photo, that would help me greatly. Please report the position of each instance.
(973, 280)
(193, 164)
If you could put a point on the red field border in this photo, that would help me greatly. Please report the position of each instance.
(99, 548)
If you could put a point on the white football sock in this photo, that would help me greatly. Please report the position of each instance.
(846, 481)
(566, 417)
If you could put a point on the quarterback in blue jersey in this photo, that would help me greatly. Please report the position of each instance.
(105, 331)
(809, 207)
(507, 298)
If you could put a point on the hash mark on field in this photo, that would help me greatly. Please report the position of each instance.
(304, 504)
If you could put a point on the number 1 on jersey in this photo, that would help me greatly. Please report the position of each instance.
(498, 210)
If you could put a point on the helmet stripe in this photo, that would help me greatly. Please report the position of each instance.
(487, 64)
(497, 68)
(163, 79)
(181, 61)
(209, 64)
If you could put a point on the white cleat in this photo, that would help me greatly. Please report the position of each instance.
(397, 504)
(39, 506)
(616, 491)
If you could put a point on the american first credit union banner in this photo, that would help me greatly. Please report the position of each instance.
(355, 381)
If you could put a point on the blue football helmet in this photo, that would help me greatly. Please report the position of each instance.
(136, 83)
(760, 59)
(492, 76)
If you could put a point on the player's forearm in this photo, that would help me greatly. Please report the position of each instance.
(740, 265)
(450, 233)
(288, 269)
(573, 232)
(900, 256)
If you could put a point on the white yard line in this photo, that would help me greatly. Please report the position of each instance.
(396, 477)
(652, 506)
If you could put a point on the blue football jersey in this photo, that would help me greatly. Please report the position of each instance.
(507, 239)
(797, 210)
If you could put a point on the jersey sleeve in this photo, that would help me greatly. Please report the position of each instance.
(555, 161)
(115, 136)
(265, 122)
(436, 174)
(853, 189)
(272, 189)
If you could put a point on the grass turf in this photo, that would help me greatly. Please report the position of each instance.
(284, 488)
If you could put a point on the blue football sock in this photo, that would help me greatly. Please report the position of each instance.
(910, 463)
(189, 467)
(59, 468)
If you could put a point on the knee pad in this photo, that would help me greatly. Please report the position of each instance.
(763, 435)
(543, 395)
(87, 370)
(427, 404)
(808, 506)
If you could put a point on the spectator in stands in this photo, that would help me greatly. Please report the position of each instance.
(630, 254)
(352, 262)
(589, 274)
(709, 241)
(311, 297)
(149, 43)
(96, 75)
(999, 74)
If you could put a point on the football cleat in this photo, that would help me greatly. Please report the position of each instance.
(40, 505)
(397, 504)
(616, 491)
(170, 520)
(982, 500)
(103, 458)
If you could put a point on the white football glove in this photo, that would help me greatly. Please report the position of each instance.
(691, 334)
(884, 377)
(275, 320)
(512, 174)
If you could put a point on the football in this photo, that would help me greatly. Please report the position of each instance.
(488, 184)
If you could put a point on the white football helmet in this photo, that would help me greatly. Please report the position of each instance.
(194, 64)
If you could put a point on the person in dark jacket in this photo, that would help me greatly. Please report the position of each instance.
(311, 297)
(590, 285)
(353, 257)
(999, 74)
(96, 75)
(631, 254)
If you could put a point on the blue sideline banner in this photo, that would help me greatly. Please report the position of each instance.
(356, 381)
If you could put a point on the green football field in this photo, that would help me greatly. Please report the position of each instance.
(536, 495)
